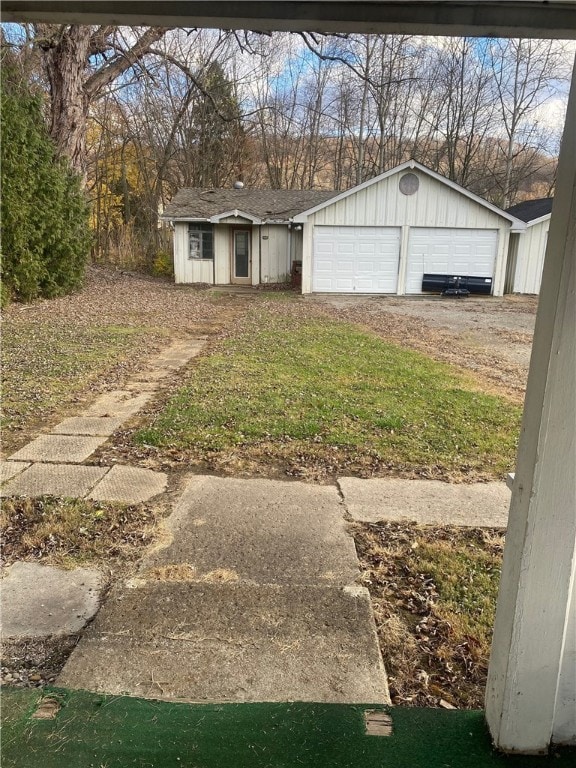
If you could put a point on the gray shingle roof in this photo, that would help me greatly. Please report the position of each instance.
(531, 209)
(265, 204)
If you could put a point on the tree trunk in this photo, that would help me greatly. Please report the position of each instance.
(65, 58)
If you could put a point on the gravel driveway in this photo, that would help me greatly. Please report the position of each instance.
(492, 337)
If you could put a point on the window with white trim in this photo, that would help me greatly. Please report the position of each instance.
(200, 241)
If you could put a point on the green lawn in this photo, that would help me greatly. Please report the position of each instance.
(302, 393)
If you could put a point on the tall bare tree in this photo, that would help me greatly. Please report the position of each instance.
(80, 62)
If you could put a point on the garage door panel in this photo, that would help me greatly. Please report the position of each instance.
(356, 259)
(449, 251)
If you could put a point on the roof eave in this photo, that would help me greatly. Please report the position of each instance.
(539, 220)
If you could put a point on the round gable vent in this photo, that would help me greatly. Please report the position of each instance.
(409, 184)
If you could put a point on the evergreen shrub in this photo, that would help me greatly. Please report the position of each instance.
(45, 232)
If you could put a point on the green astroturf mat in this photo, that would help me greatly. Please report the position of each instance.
(95, 731)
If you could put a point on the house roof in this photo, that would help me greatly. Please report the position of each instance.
(256, 204)
(532, 209)
(517, 224)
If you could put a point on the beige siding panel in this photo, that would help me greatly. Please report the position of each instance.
(222, 253)
(433, 205)
(182, 271)
(189, 270)
(255, 256)
(274, 253)
(530, 258)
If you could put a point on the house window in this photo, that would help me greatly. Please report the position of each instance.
(200, 241)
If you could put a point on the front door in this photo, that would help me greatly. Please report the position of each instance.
(241, 267)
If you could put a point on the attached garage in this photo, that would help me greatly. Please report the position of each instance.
(462, 252)
(356, 259)
(386, 234)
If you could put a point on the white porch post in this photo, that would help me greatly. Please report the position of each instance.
(531, 692)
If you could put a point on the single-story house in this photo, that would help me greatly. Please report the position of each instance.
(527, 250)
(237, 236)
(382, 236)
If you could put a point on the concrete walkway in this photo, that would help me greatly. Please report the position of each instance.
(53, 463)
(250, 597)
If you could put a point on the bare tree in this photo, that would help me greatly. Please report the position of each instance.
(80, 63)
(526, 74)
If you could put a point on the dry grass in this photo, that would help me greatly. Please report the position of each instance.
(434, 595)
(73, 532)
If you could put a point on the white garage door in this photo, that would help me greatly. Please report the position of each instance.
(470, 252)
(356, 259)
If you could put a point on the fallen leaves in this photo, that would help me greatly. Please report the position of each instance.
(434, 592)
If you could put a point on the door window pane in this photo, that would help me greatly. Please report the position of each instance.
(241, 254)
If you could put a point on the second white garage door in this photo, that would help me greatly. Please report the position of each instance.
(356, 259)
(470, 252)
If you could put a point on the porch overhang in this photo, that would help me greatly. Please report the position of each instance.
(481, 18)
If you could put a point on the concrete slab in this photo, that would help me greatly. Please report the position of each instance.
(266, 531)
(426, 501)
(129, 484)
(59, 448)
(55, 480)
(87, 425)
(120, 403)
(233, 642)
(10, 469)
(39, 600)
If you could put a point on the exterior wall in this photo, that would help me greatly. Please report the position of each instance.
(222, 253)
(189, 270)
(273, 250)
(530, 258)
(277, 241)
(433, 205)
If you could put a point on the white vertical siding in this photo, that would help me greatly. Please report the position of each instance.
(433, 205)
(222, 253)
(189, 270)
(255, 256)
(530, 258)
(274, 253)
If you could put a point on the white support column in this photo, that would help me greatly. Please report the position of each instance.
(403, 260)
(531, 692)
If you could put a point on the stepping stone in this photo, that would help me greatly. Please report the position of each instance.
(265, 531)
(232, 642)
(117, 404)
(42, 601)
(87, 425)
(10, 469)
(427, 501)
(129, 484)
(59, 448)
(72, 481)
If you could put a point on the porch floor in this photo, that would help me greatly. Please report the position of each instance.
(118, 731)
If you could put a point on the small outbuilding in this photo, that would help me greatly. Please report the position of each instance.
(397, 233)
(527, 249)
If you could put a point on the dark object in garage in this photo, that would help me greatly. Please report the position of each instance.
(456, 285)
